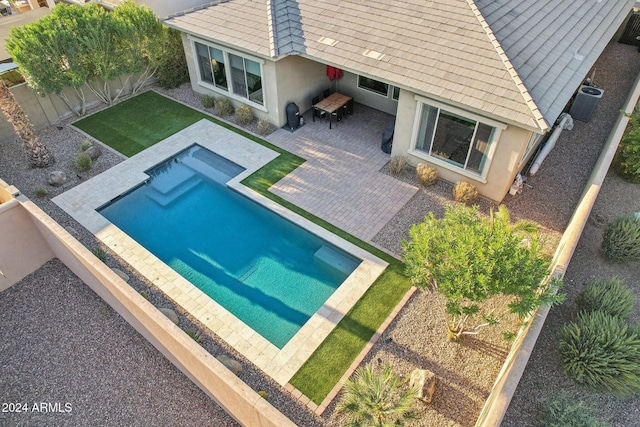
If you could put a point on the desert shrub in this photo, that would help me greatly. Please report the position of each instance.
(195, 335)
(627, 159)
(264, 127)
(208, 101)
(144, 295)
(244, 115)
(464, 192)
(263, 394)
(621, 238)
(173, 70)
(85, 144)
(561, 411)
(223, 107)
(426, 174)
(602, 352)
(610, 296)
(41, 192)
(83, 162)
(100, 253)
(397, 165)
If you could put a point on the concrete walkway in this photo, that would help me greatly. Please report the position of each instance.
(340, 180)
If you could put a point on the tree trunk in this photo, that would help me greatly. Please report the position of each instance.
(39, 155)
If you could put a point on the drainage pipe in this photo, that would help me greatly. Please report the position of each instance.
(566, 122)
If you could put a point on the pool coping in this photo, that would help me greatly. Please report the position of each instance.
(280, 364)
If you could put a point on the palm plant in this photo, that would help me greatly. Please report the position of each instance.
(374, 399)
(39, 155)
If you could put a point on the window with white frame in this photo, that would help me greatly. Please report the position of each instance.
(376, 86)
(219, 68)
(455, 139)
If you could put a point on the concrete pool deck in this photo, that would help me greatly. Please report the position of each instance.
(82, 201)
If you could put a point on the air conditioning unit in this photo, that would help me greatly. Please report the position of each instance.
(585, 103)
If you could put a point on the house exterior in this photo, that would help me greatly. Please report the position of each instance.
(474, 84)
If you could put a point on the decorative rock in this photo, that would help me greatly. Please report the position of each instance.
(56, 178)
(93, 151)
(426, 381)
(73, 232)
(170, 314)
(121, 273)
(231, 364)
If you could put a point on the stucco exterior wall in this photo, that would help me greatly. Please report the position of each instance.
(505, 162)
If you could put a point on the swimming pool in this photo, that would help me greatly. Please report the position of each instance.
(267, 271)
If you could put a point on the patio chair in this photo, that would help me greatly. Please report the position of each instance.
(347, 109)
(326, 93)
(338, 115)
(316, 111)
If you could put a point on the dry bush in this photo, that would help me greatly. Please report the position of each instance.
(264, 127)
(397, 165)
(223, 107)
(464, 192)
(244, 115)
(426, 175)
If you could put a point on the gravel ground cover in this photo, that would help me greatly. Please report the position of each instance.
(417, 338)
(543, 376)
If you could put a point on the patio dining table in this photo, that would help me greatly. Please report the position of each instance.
(332, 103)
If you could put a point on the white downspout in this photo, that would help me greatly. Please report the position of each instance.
(566, 122)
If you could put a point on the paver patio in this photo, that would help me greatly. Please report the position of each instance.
(340, 181)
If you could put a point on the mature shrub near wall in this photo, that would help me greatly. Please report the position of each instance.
(562, 411)
(627, 159)
(397, 165)
(244, 116)
(621, 238)
(426, 175)
(602, 352)
(464, 192)
(208, 101)
(264, 127)
(223, 107)
(610, 296)
(173, 71)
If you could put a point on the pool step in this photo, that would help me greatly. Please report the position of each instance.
(165, 199)
(331, 258)
(164, 183)
(248, 273)
(212, 166)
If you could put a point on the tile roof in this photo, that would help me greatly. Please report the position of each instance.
(508, 58)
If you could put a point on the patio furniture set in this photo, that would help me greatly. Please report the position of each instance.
(332, 105)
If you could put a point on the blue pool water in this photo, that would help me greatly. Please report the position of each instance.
(268, 272)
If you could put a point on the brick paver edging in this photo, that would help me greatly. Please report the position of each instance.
(319, 409)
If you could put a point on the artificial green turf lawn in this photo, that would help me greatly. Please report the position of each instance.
(137, 123)
(148, 118)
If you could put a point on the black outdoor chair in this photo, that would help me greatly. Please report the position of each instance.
(326, 93)
(316, 111)
(348, 108)
(337, 114)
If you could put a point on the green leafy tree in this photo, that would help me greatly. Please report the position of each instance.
(469, 258)
(627, 159)
(377, 399)
(173, 70)
(85, 47)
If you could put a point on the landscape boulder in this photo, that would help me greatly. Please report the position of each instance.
(170, 314)
(231, 364)
(56, 178)
(426, 381)
(93, 151)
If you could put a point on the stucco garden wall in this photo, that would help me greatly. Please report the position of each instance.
(45, 111)
(41, 238)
